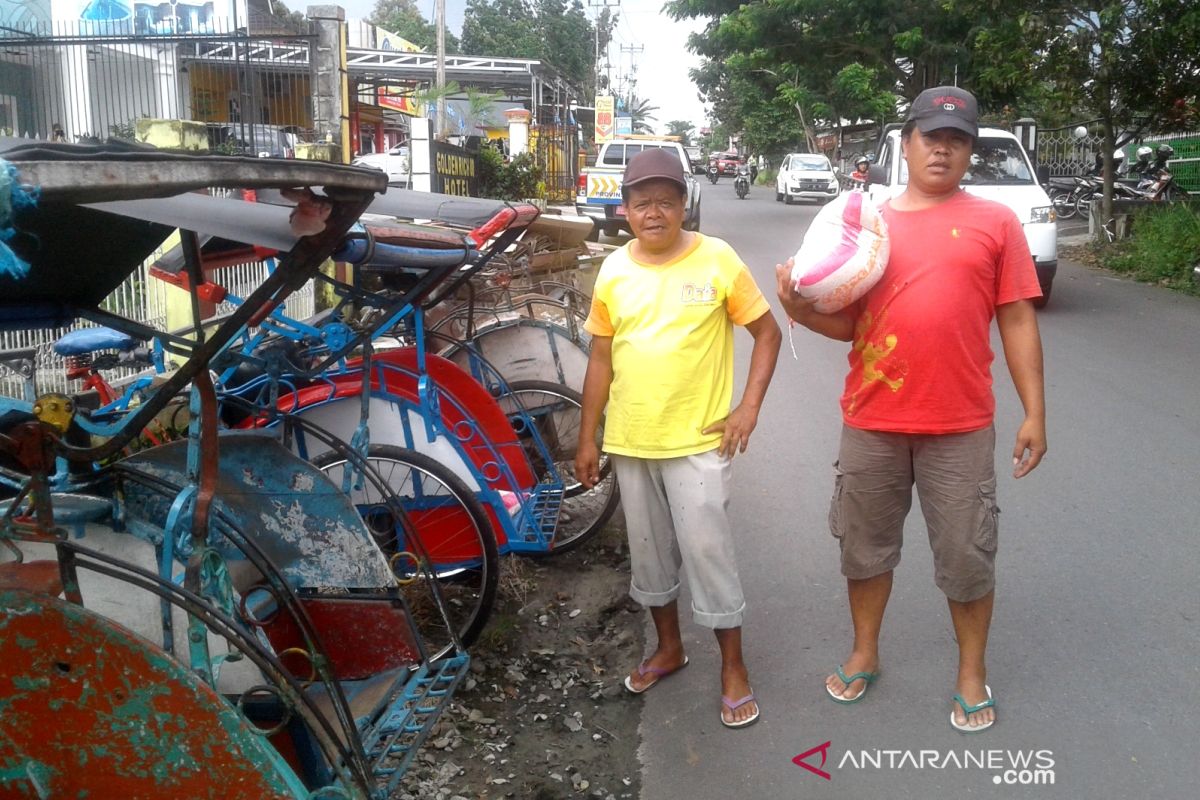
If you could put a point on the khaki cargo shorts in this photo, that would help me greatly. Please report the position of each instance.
(955, 476)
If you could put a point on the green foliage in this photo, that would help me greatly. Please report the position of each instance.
(283, 19)
(1163, 249)
(557, 32)
(404, 18)
(123, 130)
(1134, 64)
(518, 179)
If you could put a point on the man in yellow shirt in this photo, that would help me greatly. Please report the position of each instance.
(662, 319)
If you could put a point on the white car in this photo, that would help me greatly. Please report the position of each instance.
(394, 162)
(806, 176)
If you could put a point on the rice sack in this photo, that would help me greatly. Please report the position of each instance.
(844, 253)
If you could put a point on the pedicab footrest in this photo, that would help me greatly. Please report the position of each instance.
(540, 518)
(392, 741)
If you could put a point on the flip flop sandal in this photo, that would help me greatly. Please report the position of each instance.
(969, 710)
(837, 697)
(734, 705)
(659, 673)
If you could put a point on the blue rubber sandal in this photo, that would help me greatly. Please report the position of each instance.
(969, 710)
(869, 677)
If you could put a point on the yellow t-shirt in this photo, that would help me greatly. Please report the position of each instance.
(672, 350)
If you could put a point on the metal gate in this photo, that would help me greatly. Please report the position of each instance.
(555, 150)
(1065, 152)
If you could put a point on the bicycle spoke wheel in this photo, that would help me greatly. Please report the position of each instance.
(553, 411)
(454, 532)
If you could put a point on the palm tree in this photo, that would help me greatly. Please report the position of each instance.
(681, 128)
(640, 112)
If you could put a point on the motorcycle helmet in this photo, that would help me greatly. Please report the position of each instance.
(1164, 151)
(862, 163)
(1118, 156)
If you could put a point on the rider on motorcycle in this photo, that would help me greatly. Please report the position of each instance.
(858, 178)
(741, 179)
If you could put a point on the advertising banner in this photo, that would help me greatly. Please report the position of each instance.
(604, 118)
(401, 100)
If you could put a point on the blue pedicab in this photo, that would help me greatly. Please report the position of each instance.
(476, 464)
(282, 660)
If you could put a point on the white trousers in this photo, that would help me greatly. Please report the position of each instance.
(676, 513)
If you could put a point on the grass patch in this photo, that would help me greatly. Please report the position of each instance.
(1163, 248)
(516, 582)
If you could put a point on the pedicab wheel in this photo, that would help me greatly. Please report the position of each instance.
(454, 535)
(554, 411)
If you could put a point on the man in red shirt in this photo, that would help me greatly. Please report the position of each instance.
(918, 405)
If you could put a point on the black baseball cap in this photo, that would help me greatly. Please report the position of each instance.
(654, 163)
(945, 107)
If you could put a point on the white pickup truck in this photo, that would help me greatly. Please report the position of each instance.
(598, 192)
(1000, 171)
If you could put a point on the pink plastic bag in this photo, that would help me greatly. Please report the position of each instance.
(844, 253)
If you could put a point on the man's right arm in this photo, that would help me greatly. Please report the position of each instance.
(838, 326)
(596, 383)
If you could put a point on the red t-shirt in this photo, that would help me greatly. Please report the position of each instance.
(921, 359)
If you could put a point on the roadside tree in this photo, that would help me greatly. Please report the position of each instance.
(404, 18)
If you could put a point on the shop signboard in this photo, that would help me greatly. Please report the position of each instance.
(455, 170)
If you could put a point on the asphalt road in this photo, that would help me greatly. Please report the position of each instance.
(1094, 656)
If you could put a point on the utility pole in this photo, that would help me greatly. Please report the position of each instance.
(598, 4)
(632, 49)
(440, 77)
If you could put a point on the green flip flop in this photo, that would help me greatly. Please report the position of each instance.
(869, 677)
(969, 710)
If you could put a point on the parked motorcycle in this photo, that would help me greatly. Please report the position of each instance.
(713, 173)
(1157, 182)
(741, 181)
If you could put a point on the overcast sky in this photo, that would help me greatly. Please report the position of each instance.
(662, 62)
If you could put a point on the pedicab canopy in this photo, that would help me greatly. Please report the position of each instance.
(62, 254)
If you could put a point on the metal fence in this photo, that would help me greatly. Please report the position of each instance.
(1067, 154)
(81, 81)
(143, 298)
(87, 81)
(1185, 165)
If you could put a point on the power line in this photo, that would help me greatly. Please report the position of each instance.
(600, 5)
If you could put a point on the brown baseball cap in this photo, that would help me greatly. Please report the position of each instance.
(945, 107)
(654, 163)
